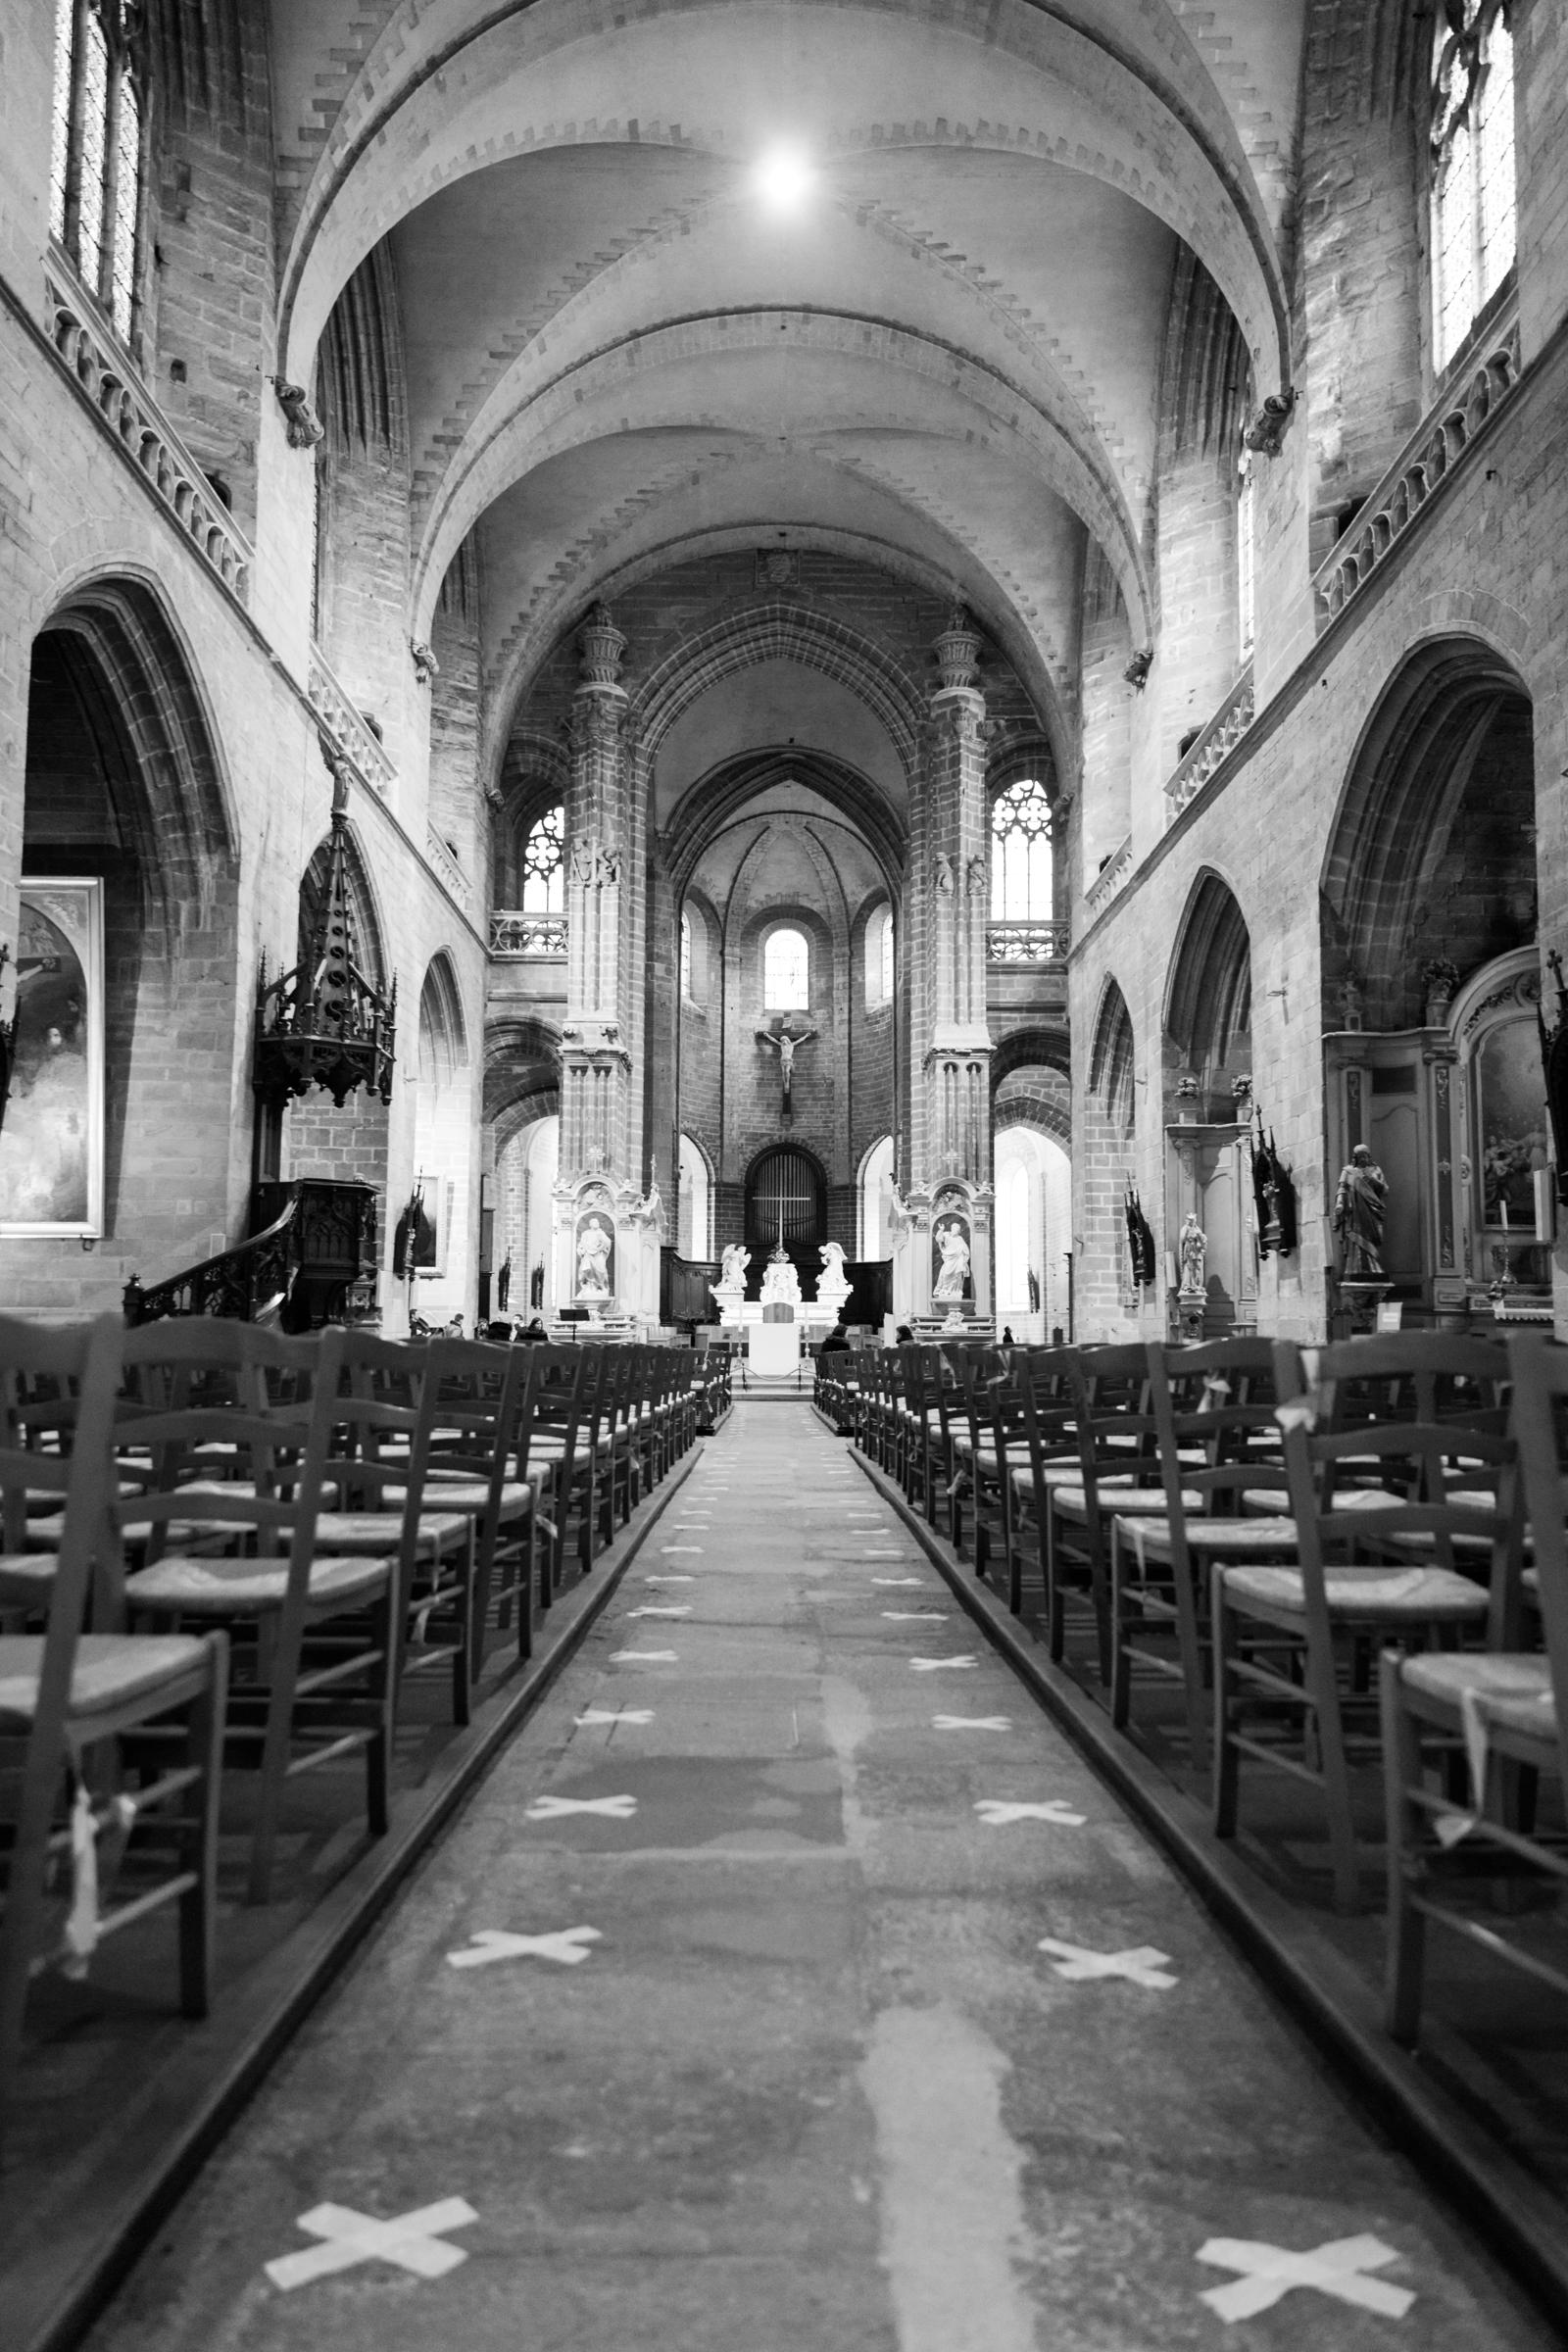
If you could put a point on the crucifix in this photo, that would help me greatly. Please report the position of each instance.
(785, 1044)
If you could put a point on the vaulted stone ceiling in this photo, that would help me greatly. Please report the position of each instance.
(945, 358)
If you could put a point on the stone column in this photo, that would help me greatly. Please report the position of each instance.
(594, 1060)
(599, 1133)
(950, 1042)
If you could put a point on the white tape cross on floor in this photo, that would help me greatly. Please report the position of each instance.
(1336, 2269)
(642, 1657)
(615, 1715)
(936, 1665)
(998, 1814)
(894, 1579)
(669, 1580)
(413, 2241)
(555, 1808)
(680, 1608)
(971, 1723)
(567, 1945)
(1142, 1966)
(916, 1616)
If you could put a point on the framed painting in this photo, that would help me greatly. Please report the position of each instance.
(51, 1142)
(435, 1226)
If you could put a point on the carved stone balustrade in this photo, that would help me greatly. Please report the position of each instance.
(512, 933)
(1213, 747)
(1423, 465)
(1109, 880)
(447, 866)
(1027, 943)
(103, 371)
(345, 724)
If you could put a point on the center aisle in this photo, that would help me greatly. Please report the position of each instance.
(811, 1995)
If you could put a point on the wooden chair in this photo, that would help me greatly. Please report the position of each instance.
(1118, 1471)
(477, 1428)
(1495, 1719)
(1042, 1391)
(316, 1637)
(1292, 1643)
(78, 1698)
(1218, 1438)
(565, 1446)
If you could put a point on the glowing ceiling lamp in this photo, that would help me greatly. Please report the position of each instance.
(783, 178)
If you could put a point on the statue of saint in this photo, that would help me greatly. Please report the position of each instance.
(1193, 1246)
(1359, 1208)
(594, 1245)
(785, 1045)
(952, 1280)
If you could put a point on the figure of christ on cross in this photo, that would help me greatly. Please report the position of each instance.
(785, 1045)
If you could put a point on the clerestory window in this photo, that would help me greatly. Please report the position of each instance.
(1020, 854)
(786, 972)
(98, 157)
(543, 864)
(1474, 194)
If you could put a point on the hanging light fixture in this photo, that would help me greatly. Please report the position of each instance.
(326, 1023)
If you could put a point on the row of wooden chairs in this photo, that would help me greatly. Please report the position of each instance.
(224, 1547)
(1332, 1554)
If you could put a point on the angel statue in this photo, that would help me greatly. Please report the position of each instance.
(732, 1274)
(785, 1045)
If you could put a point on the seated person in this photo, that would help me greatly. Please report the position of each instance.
(837, 1339)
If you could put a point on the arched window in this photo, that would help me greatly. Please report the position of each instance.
(685, 953)
(1020, 854)
(876, 1200)
(98, 159)
(879, 957)
(1474, 196)
(542, 872)
(1245, 519)
(786, 972)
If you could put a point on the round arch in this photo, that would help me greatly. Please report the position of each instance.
(785, 1192)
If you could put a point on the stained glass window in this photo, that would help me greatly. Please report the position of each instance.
(685, 953)
(1020, 854)
(1474, 200)
(98, 150)
(542, 872)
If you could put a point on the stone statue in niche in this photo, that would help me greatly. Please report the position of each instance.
(954, 1277)
(1360, 1206)
(594, 1245)
(1193, 1246)
(786, 1044)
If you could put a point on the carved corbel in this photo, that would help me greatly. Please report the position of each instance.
(426, 669)
(1137, 670)
(301, 423)
(1267, 429)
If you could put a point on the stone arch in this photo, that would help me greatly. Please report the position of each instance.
(1142, 114)
(723, 793)
(1035, 1097)
(1208, 1004)
(777, 629)
(441, 1019)
(522, 1063)
(125, 784)
(1448, 751)
(1110, 1059)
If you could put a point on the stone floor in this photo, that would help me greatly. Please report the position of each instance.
(815, 2085)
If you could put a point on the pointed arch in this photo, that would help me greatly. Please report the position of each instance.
(1455, 720)
(1208, 999)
